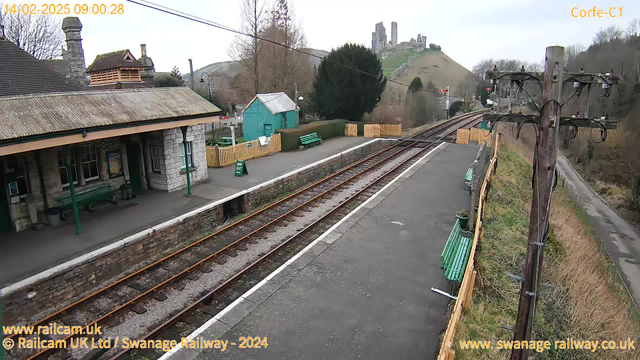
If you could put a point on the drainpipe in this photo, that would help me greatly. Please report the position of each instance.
(67, 154)
(145, 156)
(186, 158)
(43, 188)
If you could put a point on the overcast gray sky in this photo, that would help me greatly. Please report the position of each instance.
(467, 30)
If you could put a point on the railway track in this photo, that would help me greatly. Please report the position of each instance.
(106, 307)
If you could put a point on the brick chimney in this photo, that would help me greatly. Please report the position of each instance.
(74, 55)
(149, 70)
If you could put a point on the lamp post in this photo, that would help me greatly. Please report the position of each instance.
(208, 83)
(297, 110)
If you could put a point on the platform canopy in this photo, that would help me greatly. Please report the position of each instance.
(31, 122)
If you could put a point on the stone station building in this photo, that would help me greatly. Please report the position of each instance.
(134, 136)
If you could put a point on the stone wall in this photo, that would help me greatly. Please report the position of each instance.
(52, 181)
(63, 288)
(170, 178)
(269, 193)
(175, 172)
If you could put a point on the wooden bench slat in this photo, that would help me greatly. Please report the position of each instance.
(87, 196)
(310, 138)
(469, 175)
(456, 254)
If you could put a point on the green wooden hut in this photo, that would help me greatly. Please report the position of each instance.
(268, 113)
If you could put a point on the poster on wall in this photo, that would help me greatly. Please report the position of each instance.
(114, 160)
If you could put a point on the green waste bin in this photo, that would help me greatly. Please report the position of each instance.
(127, 192)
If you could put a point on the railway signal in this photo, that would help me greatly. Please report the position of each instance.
(547, 125)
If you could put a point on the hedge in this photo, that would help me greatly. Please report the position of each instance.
(326, 129)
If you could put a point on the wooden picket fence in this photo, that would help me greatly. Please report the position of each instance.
(377, 130)
(390, 129)
(371, 130)
(351, 130)
(462, 136)
(479, 135)
(466, 287)
(225, 156)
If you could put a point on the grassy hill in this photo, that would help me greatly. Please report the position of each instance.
(231, 68)
(428, 65)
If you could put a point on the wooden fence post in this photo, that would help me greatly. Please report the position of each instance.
(466, 303)
(218, 156)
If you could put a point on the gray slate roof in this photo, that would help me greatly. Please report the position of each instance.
(59, 66)
(23, 116)
(276, 102)
(21, 73)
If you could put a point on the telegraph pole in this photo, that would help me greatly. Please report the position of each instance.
(547, 126)
(541, 200)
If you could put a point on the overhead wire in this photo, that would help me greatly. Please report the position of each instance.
(187, 16)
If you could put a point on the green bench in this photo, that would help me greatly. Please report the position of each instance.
(468, 177)
(310, 139)
(455, 254)
(87, 198)
(225, 141)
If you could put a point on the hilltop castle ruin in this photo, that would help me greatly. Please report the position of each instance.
(379, 41)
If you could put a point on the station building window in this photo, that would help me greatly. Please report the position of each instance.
(156, 152)
(89, 162)
(19, 177)
(64, 179)
(189, 155)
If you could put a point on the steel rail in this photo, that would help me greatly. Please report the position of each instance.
(195, 304)
(185, 271)
(181, 274)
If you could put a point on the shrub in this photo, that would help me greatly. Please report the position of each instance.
(326, 129)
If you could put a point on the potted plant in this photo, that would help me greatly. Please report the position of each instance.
(463, 217)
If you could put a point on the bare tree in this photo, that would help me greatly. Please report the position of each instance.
(467, 86)
(534, 67)
(609, 34)
(245, 49)
(508, 65)
(634, 28)
(571, 54)
(284, 66)
(39, 35)
(482, 67)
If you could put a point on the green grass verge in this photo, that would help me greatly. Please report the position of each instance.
(501, 252)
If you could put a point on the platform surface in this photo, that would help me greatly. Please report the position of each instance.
(365, 291)
(29, 252)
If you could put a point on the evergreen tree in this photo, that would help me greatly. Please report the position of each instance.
(416, 84)
(341, 92)
(175, 72)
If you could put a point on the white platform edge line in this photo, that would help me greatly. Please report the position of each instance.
(257, 286)
(122, 243)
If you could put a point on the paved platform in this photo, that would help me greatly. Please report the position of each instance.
(222, 181)
(363, 290)
(30, 252)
